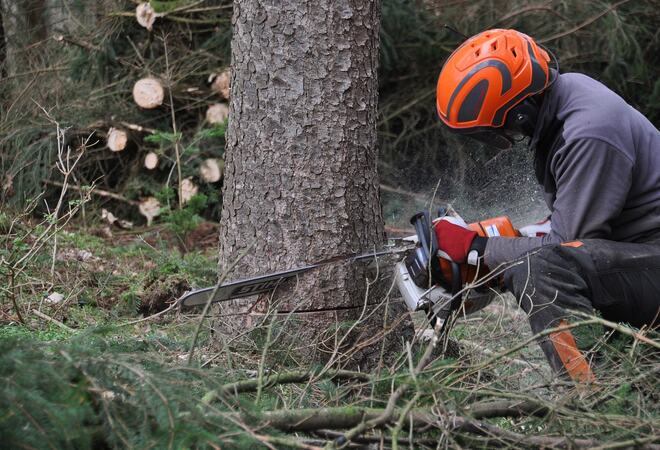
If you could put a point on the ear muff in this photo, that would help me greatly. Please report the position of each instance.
(523, 117)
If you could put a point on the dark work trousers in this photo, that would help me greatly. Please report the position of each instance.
(619, 279)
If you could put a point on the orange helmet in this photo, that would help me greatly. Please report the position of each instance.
(489, 74)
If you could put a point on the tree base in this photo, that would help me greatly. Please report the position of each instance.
(357, 338)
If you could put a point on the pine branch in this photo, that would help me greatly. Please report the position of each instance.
(301, 376)
(309, 420)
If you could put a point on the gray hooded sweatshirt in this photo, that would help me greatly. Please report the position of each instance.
(598, 160)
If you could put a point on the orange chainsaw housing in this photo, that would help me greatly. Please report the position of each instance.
(497, 226)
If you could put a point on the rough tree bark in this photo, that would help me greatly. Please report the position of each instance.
(300, 177)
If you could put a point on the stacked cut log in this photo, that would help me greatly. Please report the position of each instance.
(151, 161)
(220, 83)
(149, 93)
(217, 113)
(145, 15)
(211, 170)
(149, 207)
(117, 139)
(188, 190)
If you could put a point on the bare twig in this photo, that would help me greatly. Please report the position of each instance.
(586, 23)
(95, 191)
(177, 144)
(522, 11)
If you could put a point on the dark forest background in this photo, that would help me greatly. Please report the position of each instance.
(79, 61)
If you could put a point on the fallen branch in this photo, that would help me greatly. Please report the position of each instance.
(336, 418)
(332, 435)
(620, 328)
(51, 320)
(507, 408)
(496, 436)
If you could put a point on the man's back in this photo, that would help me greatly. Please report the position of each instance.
(590, 111)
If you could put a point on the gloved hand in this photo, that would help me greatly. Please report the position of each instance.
(456, 240)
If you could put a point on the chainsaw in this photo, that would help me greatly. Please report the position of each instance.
(426, 278)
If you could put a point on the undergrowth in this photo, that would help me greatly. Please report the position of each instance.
(118, 387)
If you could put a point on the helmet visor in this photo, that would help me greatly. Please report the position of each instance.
(493, 137)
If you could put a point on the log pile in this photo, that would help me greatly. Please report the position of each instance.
(173, 111)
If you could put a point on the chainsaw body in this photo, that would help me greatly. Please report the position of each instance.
(431, 283)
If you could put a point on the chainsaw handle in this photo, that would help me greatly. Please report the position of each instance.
(426, 250)
(425, 235)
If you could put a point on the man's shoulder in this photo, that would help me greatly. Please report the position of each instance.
(590, 110)
(589, 101)
(575, 78)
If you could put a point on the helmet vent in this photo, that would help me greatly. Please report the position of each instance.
(513, 51)
(478, 52)
(493, 45)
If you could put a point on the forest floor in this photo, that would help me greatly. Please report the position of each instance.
(84, 368)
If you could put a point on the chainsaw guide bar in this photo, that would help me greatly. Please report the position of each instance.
(269, 282)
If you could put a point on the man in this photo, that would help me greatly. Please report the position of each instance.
(598, 160)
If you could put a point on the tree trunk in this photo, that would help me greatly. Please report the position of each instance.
(22, 25)
(300, 176)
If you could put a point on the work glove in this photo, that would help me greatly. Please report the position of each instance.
(457, 241)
